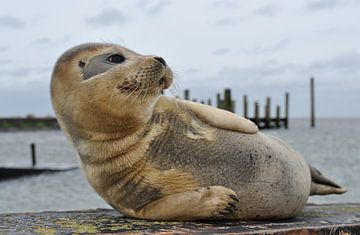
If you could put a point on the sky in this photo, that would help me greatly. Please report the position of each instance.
(259, 48)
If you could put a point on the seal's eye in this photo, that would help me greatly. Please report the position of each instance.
(116, 59)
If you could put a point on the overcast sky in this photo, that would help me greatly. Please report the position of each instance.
(259, 48)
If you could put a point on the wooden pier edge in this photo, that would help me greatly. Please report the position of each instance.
(315, 219)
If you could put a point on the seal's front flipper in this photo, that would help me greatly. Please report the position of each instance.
(220, 118)
(213, 202)
(321, 185)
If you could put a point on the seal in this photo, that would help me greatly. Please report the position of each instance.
(160, 158)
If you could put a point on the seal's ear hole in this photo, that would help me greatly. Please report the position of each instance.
(81, 64)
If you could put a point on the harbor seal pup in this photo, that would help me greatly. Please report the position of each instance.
(160, 158)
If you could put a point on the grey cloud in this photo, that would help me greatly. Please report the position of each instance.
(229, 4)
(339, 68)
(341, 72)
(11, 22)
(25, 72)
(152, 8)
(108, 17)
(346, 63)
(329, 31)
(5, 61)
(268, 10)
(221, 51)
(192, 71)
(267, 49)
(261, 76)
(66, 38)
(266, 73)
(41, 41)
(225, 21)
(281, 45)
(17, 72)
(325, 4)
(28, 97)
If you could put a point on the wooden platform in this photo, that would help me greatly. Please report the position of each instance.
(316, 219)
(10, 171)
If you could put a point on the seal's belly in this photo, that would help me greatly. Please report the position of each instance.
(266, 173)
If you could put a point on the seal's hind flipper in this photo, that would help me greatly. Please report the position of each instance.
(321, 185)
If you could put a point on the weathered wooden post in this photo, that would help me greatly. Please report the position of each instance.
(268, 112)
(218, 101)
(33, 154)
(277, 120)
(312, 100)
(287, 110)
(186, 94)
(209, 102)
(256, 114)
(245, 107)
(228, 103)
(227, 99)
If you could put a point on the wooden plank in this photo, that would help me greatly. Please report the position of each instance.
(315, 219)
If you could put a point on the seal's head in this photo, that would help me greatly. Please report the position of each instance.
(97, 83)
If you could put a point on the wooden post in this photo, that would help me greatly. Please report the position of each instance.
(277, 121)
(312, 100)
(186, 94)
(268, 112)
(218, 101)
(256, 114)
(227, 100)
(209, 102)
(245, 107)
(33, 154)
(287, 110)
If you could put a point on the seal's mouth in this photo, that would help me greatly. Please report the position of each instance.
(165, 82)
(162, 81)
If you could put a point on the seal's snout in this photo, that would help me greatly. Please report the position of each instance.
(160, 59)
(166, 80)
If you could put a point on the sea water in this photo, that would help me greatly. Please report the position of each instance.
(333, 147)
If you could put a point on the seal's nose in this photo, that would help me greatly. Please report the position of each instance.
(160, 59)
